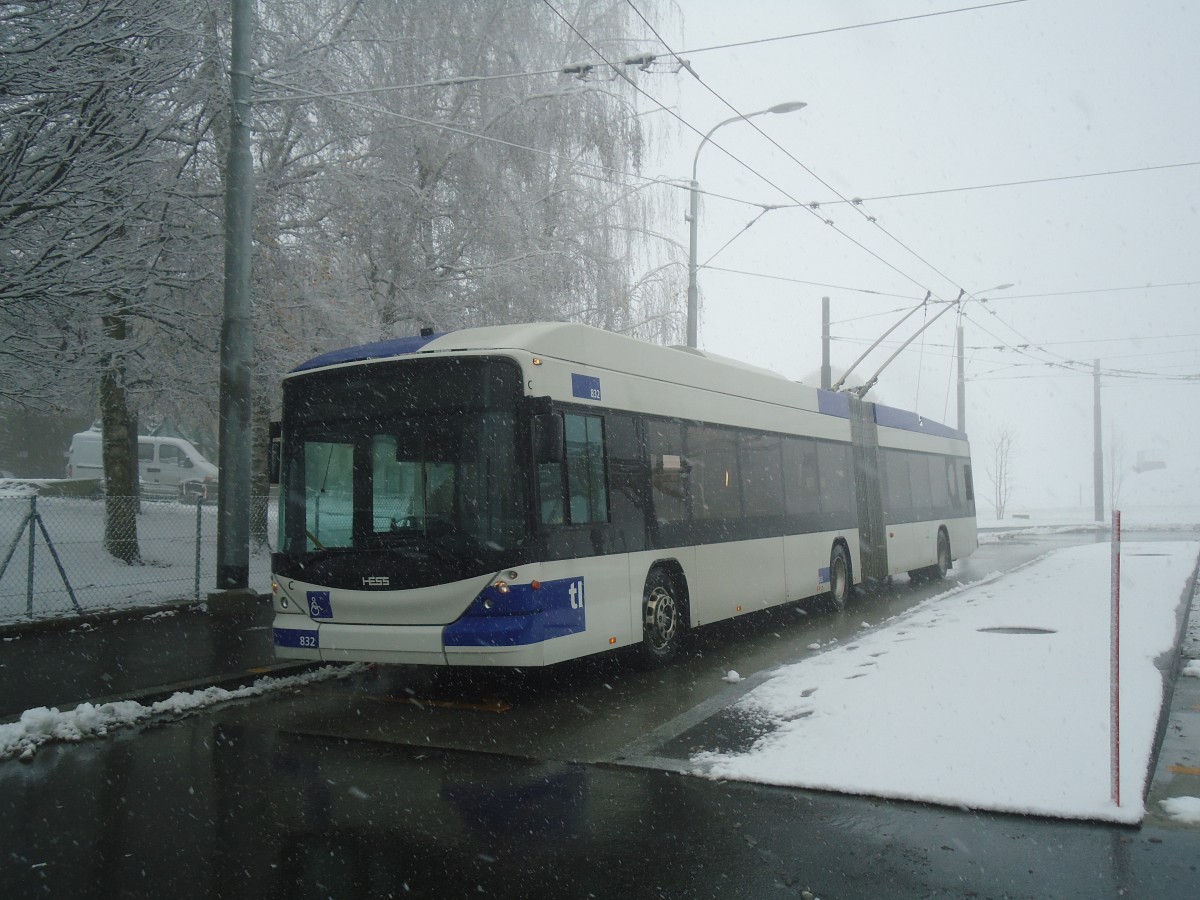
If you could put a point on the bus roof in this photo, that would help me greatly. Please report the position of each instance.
(566, 340)
(587, 345)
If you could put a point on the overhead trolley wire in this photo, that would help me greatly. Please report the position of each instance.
(1003, 184)
(581, 70)
(839, 28)
(732, 156)
(812, 206)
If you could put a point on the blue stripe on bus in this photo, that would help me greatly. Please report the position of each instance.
(890, 417)
(833, 403)
(521, 616)
(836, 403)
(377, 350)
(823, 575)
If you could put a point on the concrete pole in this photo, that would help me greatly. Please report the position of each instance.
(826, 371)
(693, 303)
(237, 339)
(1098, 457)
(962, 383)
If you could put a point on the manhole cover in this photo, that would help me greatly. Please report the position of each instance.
(1017, 629)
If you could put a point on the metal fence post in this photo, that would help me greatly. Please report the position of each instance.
(32, 543)
(199, 507)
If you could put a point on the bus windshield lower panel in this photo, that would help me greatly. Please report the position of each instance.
(408, 469)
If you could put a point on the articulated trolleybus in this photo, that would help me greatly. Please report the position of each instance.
(522, 495)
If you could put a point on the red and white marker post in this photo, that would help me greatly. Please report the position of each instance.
(1114, 701)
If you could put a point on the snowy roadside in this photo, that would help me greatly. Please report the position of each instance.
(992, 696)
(87, 720)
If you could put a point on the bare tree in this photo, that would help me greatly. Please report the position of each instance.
(999, 468)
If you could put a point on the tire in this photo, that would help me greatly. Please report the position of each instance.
(841, 578)
(664, 619)
(939, 569)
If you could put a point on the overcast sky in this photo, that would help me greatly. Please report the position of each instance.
(1031, 90)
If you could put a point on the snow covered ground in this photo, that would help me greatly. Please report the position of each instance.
(991, 696)
(167, 538)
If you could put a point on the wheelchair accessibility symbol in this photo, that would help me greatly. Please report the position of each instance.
(319, 606)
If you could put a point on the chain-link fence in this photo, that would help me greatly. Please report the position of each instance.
(63, 556)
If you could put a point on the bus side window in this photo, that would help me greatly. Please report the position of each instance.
(761, 464)
(922, 488)
(952, 483)
(627, 483)
(668, 470)
(552, 506)
(801, 486)
(715, 480)
(836, 478)
(586, 485)
(937, 482)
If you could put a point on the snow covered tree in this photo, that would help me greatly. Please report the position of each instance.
(391, 192)
(88, 160)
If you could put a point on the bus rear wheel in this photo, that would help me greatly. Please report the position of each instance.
(938, 570)
(841, 580)
(663, 619)
(944, 562)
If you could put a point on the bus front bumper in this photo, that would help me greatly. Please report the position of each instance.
(298, 637)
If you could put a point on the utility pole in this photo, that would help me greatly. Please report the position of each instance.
(237, 340)
(1098, 456)
(826, 372)
(962, 382)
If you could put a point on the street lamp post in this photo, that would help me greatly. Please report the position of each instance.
(692, 316)
(962, 380)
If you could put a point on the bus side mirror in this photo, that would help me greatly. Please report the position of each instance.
(273, 432)
(547, 438)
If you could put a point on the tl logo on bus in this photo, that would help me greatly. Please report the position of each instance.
(575, 591)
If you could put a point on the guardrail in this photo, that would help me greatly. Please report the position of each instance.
(54, 561)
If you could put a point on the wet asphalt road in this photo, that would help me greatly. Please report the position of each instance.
(351, 789)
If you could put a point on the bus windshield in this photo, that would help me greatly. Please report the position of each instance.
(415, 457)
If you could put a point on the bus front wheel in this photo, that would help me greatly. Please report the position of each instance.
(663, 622)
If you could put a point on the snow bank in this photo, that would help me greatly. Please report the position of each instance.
(43, 725)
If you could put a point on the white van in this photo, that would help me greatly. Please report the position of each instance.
(167, 466)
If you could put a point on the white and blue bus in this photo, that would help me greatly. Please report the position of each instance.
(527, 494)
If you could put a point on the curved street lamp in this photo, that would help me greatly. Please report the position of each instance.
(778, 109)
